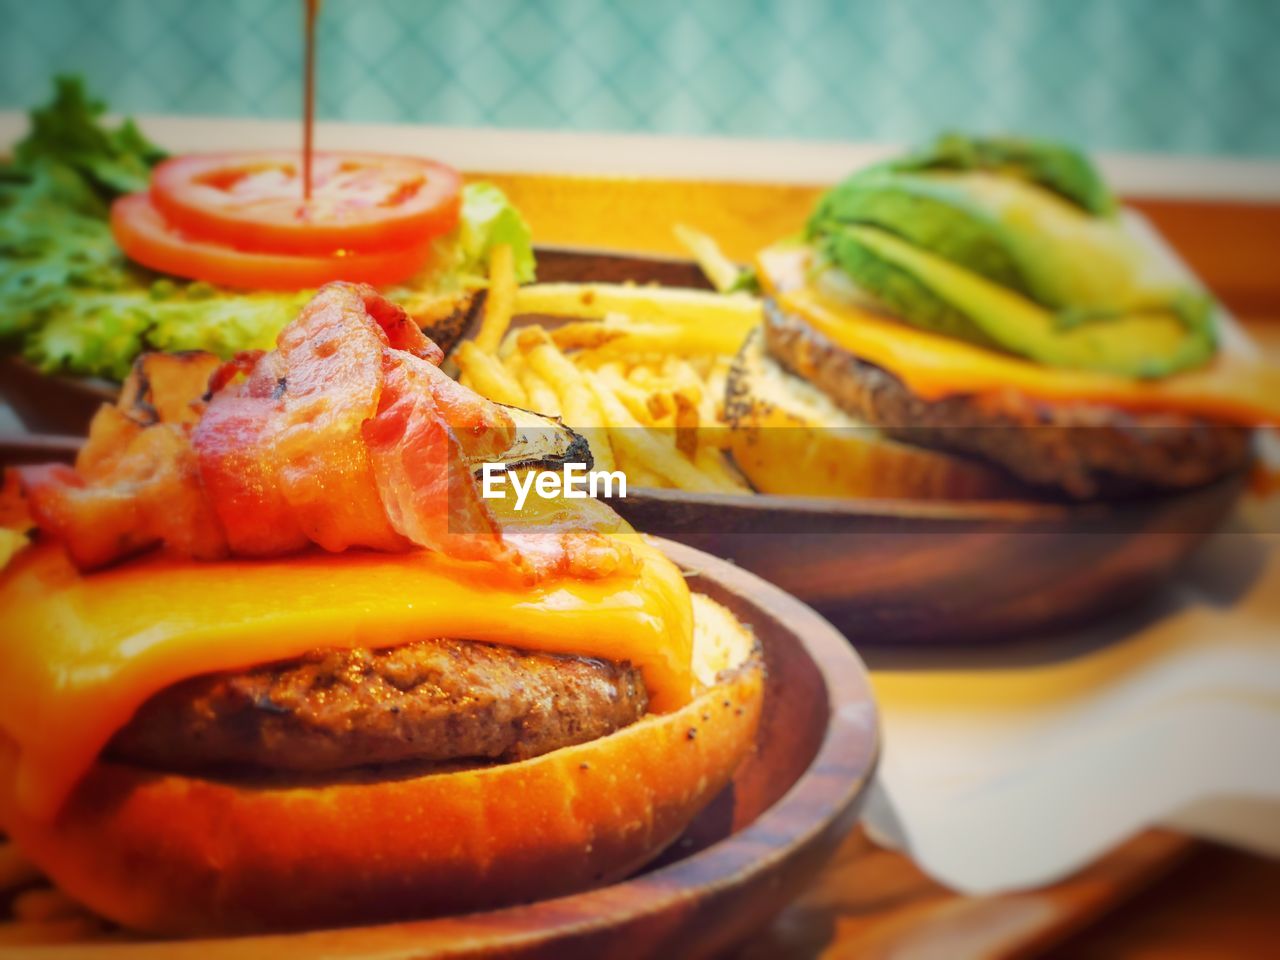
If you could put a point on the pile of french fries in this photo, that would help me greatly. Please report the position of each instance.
(638, 370)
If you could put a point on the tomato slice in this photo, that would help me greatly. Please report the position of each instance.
(145, 236)
(359, 201)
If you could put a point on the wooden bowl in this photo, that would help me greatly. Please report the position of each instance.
(752, 850)
(900, 571)
(47, 403)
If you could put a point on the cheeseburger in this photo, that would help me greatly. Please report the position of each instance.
(978, 319)
(270, 662)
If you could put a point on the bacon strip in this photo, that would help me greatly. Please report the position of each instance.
(133, 487)
(327, 375)
(241, 483)
(347, 435)
(423, 476)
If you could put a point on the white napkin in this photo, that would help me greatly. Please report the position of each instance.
(1011, 767)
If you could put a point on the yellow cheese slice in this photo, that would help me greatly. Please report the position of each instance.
(1238, 386)
(80, 653)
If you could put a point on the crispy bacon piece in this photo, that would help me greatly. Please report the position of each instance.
(347, 435)
(584, 554)
(485, 430)
(297, 416)
(422, 474)
(241, 483)
(168, 387)
(133, 487)
(398, 327)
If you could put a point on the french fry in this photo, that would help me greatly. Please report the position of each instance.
(660, 405)
(686, 424)
(616, 337)
(640, 445)
(640, 375)
(639, 475)
(487, 375)
(673, 305)
(714, 435)
(579, 406)
(708, 390)
(508, 348)
(500, 300)
(542, 398)
(596, 359)
(713, 463)
(642, 368)
(632, 397)
(684, 377)
(719, 269)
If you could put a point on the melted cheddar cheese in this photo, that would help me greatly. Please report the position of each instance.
(1237, 386)
(80, 653)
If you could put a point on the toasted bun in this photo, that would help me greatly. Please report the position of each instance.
(178, 855)
(789, 438)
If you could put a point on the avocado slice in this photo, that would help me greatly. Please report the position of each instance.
(1010, 231)
(898, 289)
(935, 213)
(1151, 339)
(1031, 228)
(1052, 166)
(1065, 256)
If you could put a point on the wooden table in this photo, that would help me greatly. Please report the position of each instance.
(1161, 895)
(1218, 903)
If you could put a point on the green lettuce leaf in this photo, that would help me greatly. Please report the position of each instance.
(205, 318)
(487, 219)
(100, 336)
(69, 131)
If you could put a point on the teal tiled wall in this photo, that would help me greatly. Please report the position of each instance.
(1186, 76)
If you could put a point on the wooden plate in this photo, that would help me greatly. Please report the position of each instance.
(750, 852)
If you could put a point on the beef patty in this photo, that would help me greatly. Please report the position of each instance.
(433, 701)
(1084, 450)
